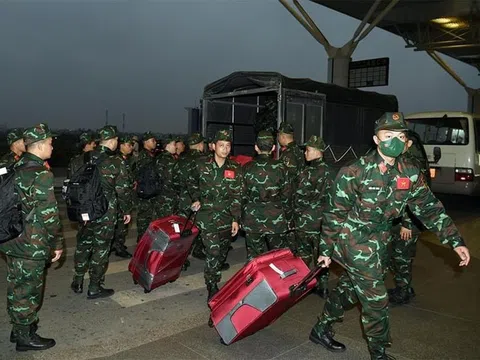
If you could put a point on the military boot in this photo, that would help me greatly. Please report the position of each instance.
(378, 353)
(99, 292)
(401, 295)
(28, 339)
(212, 290)
(13, 334)
(323, 335)
(77, 285)
(225, 267)
(322, 291)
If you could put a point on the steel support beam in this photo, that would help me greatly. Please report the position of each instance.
(447, 68)
(474, 101)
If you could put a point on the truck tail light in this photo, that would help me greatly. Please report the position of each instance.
(463, 174)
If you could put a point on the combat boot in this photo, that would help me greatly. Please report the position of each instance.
(77, 285)
(323, 335)
(225, 267)
(28, 339)
(322, 292)
(378, 353)
(400, 295)
(212, 290)
(123, 253)
(99, 292)
(13, 334)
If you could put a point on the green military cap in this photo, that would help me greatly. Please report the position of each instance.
(169, 139)
(107, 132)
(86, 138)
(37, 133)
(316, 142)
(147, 136)
(286, 128)
(391, 121)
(195, 138)
(14, 135)
(126, 138)
(222, 135)
(265, 139)
(179, 139)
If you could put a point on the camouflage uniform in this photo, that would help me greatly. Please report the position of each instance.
(294, 161)
(28, 254)
(10, 157)
(183, 173)
(310, 199)
(121, 229)
(146, 208)
(219, 192)
(368, 196)
(266, 194)
(94, 238)
(167, 200)
(79, 160)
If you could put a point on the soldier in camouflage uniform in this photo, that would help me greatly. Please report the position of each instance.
(121, 229)
(94, 238)
(28, 254)
(310, 199)
(165, 162)
(217, 198)
(87, 144)
(146, 208)
(17, 148)
(266, 196)
(292, 157)
(179, 147)
(368, 196)
(184, 172)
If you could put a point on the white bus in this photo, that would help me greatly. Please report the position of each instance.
(452, 144)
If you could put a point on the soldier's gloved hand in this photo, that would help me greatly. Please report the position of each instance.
(58, 255)
(464, 254)
(234, 228)
(127, 219)
(326, 261)
(405, 234)
(196, 206)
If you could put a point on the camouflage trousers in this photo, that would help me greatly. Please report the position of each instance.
(363, 281)
(120, 234)
(166, 207)
(401, 260)
(216, 251)
(25, 281)
(258, 244)
(307, 249)
(93, 249)
(147, 212)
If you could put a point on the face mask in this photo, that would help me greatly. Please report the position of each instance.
(392, 147)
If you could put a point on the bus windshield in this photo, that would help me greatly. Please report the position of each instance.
(441, 130)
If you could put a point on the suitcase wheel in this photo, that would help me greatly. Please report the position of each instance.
(222, 342)
(135, 282)
(172, 281)
(210, 322)
(146, 291)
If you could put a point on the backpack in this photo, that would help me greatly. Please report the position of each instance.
(149, 182)
(11, 219)
(83, 193)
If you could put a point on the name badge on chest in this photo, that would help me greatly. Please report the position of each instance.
(403, 183)
(229, 174)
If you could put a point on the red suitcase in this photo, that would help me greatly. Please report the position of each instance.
(259, 293)
(162, 251)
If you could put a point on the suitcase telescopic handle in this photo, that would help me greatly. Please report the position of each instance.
(298, 289)
(188, 232)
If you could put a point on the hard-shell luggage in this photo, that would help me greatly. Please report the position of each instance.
(259, 293)
(162, 251)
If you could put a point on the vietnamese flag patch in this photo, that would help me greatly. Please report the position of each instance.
(229, 174)
(403, 183)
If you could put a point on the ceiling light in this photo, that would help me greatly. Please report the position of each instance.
(442, 20)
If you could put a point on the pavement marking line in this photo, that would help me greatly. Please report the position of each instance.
(185, 284)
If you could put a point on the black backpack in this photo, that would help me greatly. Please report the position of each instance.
(149, 182)
(11, 219)
(83, 193)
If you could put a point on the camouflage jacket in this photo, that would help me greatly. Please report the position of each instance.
(312, 195)
(77, 162)
(9, 159)
(42, 228)
(219, 191)
(165, 163)
(144, 158)
(293, 159)
(368, 195)
(266, 194)
(115, 180)
(183, 173)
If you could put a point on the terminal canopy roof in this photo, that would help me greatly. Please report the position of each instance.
(451, 27)
(249, 80)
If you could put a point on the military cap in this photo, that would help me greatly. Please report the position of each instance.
(391, 121)
(37, 133)
(265, 139)
(179, 139)
(107, 132)
(147, 136)
(222, 135)
(14, 135)
(126, 138)
(169, 139)
(316, 142)
(86, 138)
(286, 128)
(195, 138)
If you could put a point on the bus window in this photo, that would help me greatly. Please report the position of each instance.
(441, 130)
